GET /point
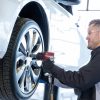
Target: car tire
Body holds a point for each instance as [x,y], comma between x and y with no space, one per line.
[20,70]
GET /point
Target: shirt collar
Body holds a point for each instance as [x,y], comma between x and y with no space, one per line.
[95,52]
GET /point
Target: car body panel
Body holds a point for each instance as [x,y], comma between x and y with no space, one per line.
[9,11]
[12,9]
[64,38]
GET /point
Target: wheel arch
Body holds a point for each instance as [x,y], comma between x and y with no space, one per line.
[35,11]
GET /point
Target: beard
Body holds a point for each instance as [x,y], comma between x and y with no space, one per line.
[90,46]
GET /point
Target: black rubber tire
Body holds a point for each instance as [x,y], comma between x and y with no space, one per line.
[9,88]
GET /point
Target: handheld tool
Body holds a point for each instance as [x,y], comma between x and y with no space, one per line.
[45,56]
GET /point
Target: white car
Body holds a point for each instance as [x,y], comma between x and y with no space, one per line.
[26,28]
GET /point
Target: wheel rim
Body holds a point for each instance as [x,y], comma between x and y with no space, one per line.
[27,68]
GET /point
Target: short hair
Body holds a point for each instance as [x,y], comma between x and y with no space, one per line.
[95,22]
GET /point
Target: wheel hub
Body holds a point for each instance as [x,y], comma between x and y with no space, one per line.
[28,61]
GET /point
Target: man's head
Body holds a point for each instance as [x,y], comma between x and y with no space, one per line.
[93,36]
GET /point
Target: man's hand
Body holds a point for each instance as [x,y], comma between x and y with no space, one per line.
[48,65]
[40,56]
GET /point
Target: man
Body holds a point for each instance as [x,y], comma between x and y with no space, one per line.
[87,79]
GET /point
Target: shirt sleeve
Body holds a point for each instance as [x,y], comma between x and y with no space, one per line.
[85,78]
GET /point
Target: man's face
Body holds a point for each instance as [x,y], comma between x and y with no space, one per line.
[93,37]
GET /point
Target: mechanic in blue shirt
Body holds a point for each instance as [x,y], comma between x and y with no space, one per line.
[87,79]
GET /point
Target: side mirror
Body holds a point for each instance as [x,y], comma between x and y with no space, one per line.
[68,2]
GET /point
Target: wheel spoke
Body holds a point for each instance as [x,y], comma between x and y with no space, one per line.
[20,56]
[20,72]
[27,82]
[34,77]
[21,79]
[22,49]
[37,48]
[29,40]
[31,32]
[37,43]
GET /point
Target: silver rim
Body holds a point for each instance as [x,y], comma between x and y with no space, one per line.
[27,68]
